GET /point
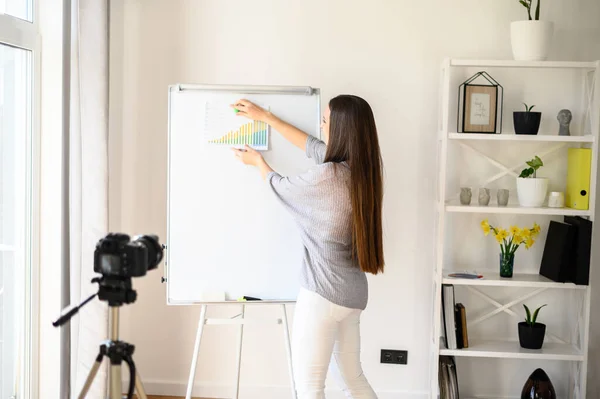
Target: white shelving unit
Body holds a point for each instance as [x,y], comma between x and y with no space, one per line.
[540,137]
[557,349]
[453,206]
[519,280]
[512,350]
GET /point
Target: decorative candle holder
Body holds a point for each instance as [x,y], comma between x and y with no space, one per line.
[484,196]
[556,199]
[502,196]
[465,196]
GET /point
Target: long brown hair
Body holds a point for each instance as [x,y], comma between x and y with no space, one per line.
[353,138]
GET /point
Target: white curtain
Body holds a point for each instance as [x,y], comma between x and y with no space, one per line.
[88,188]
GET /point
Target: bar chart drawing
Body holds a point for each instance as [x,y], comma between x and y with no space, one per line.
[224,128]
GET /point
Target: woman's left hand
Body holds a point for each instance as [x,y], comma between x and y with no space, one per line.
[249,156]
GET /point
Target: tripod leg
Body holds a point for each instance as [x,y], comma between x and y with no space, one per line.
[201,323]
[141,394]
[115,389]
[91,376]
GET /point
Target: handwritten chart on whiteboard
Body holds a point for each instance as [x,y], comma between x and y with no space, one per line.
[223,127]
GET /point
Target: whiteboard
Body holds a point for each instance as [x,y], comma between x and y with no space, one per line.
[227,236]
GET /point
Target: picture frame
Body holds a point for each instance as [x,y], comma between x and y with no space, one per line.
[480,105]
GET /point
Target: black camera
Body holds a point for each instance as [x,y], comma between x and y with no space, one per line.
[117,256]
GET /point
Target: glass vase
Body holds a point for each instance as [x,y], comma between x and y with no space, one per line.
[507,262]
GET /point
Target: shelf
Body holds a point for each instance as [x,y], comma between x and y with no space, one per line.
[519,280]
[521,137]
[512,350]
[523,64]
[514,209]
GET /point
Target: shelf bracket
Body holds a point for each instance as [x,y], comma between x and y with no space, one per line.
[507,170]
[506,308]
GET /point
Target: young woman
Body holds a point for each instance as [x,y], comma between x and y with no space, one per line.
[337,207]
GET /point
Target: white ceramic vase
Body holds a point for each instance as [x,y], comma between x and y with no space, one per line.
[532,191]
[531,39]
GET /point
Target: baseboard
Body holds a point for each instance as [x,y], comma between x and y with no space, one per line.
[212,390]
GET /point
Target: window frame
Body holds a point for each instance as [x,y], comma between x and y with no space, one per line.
[22,34]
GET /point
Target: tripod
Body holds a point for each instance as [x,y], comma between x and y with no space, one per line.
[117,259]
[117,352]
[116,291]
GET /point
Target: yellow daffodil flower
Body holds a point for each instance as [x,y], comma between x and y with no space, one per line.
[518,239]
[517,235]
[502,233]
[530,241]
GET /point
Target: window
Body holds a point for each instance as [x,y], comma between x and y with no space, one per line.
[15,133]
[17,8]
[17,83]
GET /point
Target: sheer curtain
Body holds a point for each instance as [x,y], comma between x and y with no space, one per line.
[88,185]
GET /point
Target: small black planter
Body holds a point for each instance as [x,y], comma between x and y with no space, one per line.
[527,122]
[531,337]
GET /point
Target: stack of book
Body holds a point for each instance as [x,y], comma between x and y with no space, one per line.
[455,320]
[448,378]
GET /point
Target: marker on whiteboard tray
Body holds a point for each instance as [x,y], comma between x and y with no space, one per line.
[248,298]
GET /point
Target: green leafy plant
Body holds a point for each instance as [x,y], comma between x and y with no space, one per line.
[527,4]
[530,319]
[527,108]
[534,165]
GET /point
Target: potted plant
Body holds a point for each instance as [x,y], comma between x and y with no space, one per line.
[531,39]
[531,333]
[531,189]
[509,242]
[527,122]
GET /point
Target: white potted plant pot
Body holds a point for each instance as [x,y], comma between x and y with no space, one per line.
[531,39]
[532,191]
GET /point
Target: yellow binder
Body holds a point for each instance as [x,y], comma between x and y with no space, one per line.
[578,178]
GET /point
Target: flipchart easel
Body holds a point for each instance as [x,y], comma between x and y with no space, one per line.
[199,274]
[241,321]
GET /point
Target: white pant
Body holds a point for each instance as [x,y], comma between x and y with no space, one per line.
[326,335]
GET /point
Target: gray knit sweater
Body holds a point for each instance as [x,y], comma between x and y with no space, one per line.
[319,201]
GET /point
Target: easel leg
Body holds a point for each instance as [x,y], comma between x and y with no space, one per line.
[201,323]
[288,348]
[239,358]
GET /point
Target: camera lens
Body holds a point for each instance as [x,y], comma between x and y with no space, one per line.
[155,251]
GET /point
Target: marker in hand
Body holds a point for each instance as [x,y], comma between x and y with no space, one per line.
[235,107]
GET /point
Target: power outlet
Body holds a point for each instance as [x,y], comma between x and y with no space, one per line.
[392,356]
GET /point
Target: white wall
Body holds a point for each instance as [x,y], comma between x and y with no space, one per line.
[389,52]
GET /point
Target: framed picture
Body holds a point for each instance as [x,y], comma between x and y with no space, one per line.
[480,105]
[480,109]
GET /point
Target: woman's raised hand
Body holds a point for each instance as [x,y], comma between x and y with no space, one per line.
[250,110]
[249,155]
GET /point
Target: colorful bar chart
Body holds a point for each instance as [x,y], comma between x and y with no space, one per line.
[225,128]
[254,134]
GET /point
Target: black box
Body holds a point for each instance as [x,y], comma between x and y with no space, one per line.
[558,252]
[579,263]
